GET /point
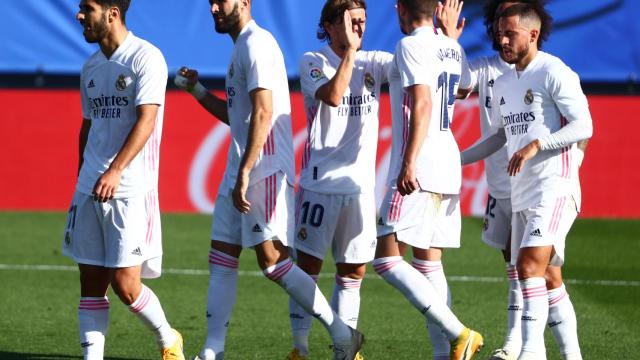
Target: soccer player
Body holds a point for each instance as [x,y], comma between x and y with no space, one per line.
[254,206]
[113,226]
[421,207]
[542,130]
[335,202]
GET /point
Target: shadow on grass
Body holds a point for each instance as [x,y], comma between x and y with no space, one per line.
[4,355]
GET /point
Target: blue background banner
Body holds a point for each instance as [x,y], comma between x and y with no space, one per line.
[599,39]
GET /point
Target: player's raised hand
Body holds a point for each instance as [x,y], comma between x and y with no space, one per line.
[107,184]
[239,193]
[352,32]
[521,156]
[407,182]
[186,78]
[448,18]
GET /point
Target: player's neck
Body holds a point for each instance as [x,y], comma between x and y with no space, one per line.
[413,25]
[525,61]
[109,44]
[242,22]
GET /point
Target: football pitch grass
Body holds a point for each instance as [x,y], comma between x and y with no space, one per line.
[39,293]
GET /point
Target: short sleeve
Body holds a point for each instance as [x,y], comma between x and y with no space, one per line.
[566,92]
[384,61]
[413,63]
[260,62]
[312,75]
[151,82]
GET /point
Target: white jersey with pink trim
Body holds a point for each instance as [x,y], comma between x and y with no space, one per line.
[110,90]
[428,57]
[257,62]
[535,103]
[484,72]
[340,152]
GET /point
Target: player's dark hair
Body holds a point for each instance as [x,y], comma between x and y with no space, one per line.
[332,11]
[122,5]
[420,9]
[490,16]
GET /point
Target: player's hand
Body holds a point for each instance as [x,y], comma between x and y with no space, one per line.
[448,18]
[240,192]
[186,79]
[521,156]
[352,33]
[106,186]
[407,182]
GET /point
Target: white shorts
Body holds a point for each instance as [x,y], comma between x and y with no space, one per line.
[347,223]
[272,201]
[421,219]
[546,224]
[496,228]
[119,233]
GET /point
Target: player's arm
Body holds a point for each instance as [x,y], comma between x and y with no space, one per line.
[418,129]
[259,127]
[187,80]
[106,186]
[82,141]
[448,18]
[484,148]
[332,92]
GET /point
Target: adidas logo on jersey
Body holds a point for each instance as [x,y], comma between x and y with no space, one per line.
[491,83]
[536,232]
[502,101]
[91,84]
[256,228]
[136,251]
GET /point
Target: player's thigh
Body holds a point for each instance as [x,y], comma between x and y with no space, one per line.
[447,222]
[316,220]
[83,236]
[226,221]
[496,228]
[405,216]
[355,233]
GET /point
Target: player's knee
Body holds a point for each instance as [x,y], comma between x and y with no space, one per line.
[351,271]
[528,268]
[553,277]
[126,288]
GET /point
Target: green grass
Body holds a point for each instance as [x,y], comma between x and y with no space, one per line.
[38,308]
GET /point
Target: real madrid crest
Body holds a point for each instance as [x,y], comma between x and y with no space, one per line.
[528,97]
[302,234]
[369,81]
[231,71]
[121,83]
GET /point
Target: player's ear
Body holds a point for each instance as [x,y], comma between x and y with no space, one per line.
[534,34]
[113,14]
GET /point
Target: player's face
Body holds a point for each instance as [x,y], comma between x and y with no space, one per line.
[501,8]
[226,15]
[93,19]
[513,39]
[358,24]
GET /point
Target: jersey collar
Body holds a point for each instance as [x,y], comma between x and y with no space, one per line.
[426,29]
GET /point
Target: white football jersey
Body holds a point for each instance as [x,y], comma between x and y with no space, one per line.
[110,90]
[484,72]
[339,156]
[537,102]
[257,62]
[428,57]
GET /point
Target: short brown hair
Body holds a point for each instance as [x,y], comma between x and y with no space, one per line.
[420,9]
[333,10]
[122,5]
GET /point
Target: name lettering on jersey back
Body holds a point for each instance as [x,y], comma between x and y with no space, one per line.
[108,107]
[518,124]
[356,105]
[449,53]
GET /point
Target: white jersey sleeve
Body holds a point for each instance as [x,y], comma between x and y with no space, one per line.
[466,80]
[152,78]
[312,75]
[411,61]
[259,62]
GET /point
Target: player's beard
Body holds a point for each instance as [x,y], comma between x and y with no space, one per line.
[515,55]
[98,31]
[228,21]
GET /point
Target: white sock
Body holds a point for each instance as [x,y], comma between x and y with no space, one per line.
[93,323]
[148,309]
[563,324]
[304,291]
[420,293]
[513,340]
[434,272]
[345,300]
[221,296]
[534,317]
[300,324]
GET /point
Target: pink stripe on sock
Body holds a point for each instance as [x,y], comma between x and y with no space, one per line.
[142,301]
[425,269]
[217,259]
[536,291]
[558,298]
[279,272]
[348,283]
[384,267]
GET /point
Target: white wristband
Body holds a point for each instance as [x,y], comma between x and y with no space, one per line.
[198,90]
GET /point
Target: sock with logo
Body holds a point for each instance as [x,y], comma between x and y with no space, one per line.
[434,272]
[513,340]
[563,324]
[534,316]
[346,299]
[93,323]
[420,293]
[147,308]
[300,324]
[221,296]
[305,292]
